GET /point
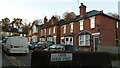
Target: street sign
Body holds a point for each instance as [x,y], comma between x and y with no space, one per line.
[61,57]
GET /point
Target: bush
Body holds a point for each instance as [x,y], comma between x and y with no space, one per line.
[115,57]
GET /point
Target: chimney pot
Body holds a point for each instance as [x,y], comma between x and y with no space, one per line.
[81,4]
[45,20]
[101,11]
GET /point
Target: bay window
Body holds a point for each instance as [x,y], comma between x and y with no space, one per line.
[84,40]
[49,38]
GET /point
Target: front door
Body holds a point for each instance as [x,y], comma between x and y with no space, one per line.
[96,42]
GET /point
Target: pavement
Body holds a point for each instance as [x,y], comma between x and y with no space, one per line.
[115,64]
[0,55]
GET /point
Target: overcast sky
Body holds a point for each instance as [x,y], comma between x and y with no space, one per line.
[38,9]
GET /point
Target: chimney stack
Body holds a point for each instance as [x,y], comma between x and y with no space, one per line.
[101,11]
[82,10]
[45,20]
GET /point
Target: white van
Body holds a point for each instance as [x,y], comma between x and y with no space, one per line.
[16,44]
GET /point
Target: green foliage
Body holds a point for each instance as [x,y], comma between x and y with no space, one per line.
[115,57]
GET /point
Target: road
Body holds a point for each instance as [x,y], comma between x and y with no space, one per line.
[16,60]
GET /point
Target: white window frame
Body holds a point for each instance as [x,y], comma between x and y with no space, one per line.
[34,38]
[42,39]
[49,30]
[81,24]
[62,38]
[49,39]
[68,41]
[117,24]
[44,31]
[54,29]
[71,27]
[41,32]
[34,29]
[92,22]
[54,39]
[64,29]
[85,40]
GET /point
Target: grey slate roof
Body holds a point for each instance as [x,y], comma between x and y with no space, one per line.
[77,18]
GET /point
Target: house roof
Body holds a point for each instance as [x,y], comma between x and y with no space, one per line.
[77,18]
[61,22]
[84,32]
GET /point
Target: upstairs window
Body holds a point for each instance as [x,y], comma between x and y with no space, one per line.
[44,31]
[64,29]
[71,27]
[81,24]
[41,32]
[92,22]
[116,24]
[49,30]
[53,29]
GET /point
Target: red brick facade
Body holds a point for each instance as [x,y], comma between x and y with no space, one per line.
[104,32]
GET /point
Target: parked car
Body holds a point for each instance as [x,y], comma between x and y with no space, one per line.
[16,44]
[43,44]
[63,47]
[30,46]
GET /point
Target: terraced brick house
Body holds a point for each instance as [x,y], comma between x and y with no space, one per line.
[89,30]
[50,30]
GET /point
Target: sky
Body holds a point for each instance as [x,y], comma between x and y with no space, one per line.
[31,10]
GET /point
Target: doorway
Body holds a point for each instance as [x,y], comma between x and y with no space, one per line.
[96,42]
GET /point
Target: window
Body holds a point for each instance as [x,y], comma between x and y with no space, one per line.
[49,30]
[34,29]
[42,39]
[117,24]
[66,39]
[62,40]
[53,29]
[41,32]
[49,38]
[69,40]
[71,27]
[84,40]
[20,30]
[92,22]
[44,31]
[64,29]
[54,39]
[81,24]
[34,38]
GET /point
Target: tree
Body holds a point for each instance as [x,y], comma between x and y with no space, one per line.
[68,16]
[5,21]
[17,23]
[114,15]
